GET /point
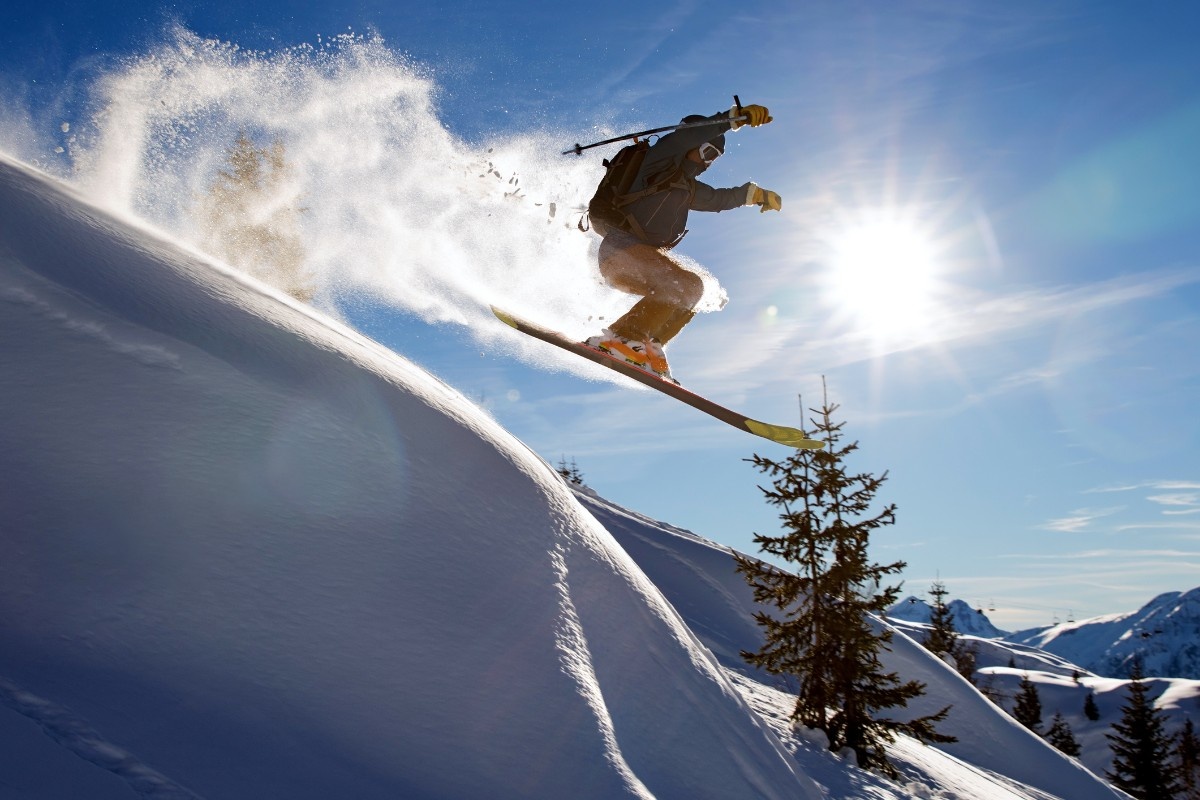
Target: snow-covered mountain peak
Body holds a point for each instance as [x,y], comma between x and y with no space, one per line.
[1164,635]
[966,619]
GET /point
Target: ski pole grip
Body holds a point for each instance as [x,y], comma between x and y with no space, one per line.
[737,103]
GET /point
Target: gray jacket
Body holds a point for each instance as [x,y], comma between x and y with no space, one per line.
[663,215]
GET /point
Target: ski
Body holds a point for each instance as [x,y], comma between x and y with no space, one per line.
[791,437]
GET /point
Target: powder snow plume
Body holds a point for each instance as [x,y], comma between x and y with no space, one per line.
[394,205]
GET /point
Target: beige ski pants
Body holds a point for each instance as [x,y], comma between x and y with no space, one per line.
[669,291]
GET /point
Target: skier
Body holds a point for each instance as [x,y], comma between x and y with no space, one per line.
[641,226]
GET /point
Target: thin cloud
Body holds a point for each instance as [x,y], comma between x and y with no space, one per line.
[803,337]
[1173,498]
[1162,485]
[1158,526]
[1108,553]
[1189,500]
[1080,520]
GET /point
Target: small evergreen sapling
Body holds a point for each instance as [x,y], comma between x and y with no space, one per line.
[1028,709]
[1061,736]
[1090,709]
[942,639]
[570,472]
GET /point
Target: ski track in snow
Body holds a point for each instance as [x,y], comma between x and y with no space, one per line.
[148,355]
[577,661]
[76,735]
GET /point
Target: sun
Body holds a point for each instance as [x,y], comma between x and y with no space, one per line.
[883,274]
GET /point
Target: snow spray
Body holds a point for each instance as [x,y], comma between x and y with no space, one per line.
[393,206]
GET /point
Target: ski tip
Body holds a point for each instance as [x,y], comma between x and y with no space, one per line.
[505,317]
[784,435]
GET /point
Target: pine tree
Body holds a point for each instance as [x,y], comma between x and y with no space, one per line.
[1060,736]
[1187,750]
[826,636]
[942,639]
[570,472]
[965,659]
[1090,709]
[795,645]
[1142,749]
[1028,710]
[249,219]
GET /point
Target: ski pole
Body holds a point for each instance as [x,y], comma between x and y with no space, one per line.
[579,148]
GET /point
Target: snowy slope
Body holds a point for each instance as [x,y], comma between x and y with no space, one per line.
[1177,698]
[248,553]
[1164,634]
[699,579]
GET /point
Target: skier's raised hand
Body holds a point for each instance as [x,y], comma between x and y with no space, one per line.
[767,200]
[756,115]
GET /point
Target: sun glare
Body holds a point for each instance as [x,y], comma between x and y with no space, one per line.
[882,275]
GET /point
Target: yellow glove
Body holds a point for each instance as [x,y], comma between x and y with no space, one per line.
[767,200]
[755,116]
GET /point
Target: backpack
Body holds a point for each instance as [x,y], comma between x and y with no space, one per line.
[607,207]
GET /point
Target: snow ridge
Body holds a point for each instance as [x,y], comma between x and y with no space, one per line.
[84,741]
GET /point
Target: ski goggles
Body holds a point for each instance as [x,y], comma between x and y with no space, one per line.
[709,152]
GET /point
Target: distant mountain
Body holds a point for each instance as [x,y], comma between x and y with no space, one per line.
[1164,634]
[967,620]
[1066,664]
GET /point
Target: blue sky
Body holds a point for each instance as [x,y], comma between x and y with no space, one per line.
[988,244]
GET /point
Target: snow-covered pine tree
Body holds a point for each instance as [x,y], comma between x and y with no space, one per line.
[1061,736]
[1028,708]
[942,639]
[828,635]
[1142,750]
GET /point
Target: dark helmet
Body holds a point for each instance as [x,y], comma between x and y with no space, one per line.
[718,141]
